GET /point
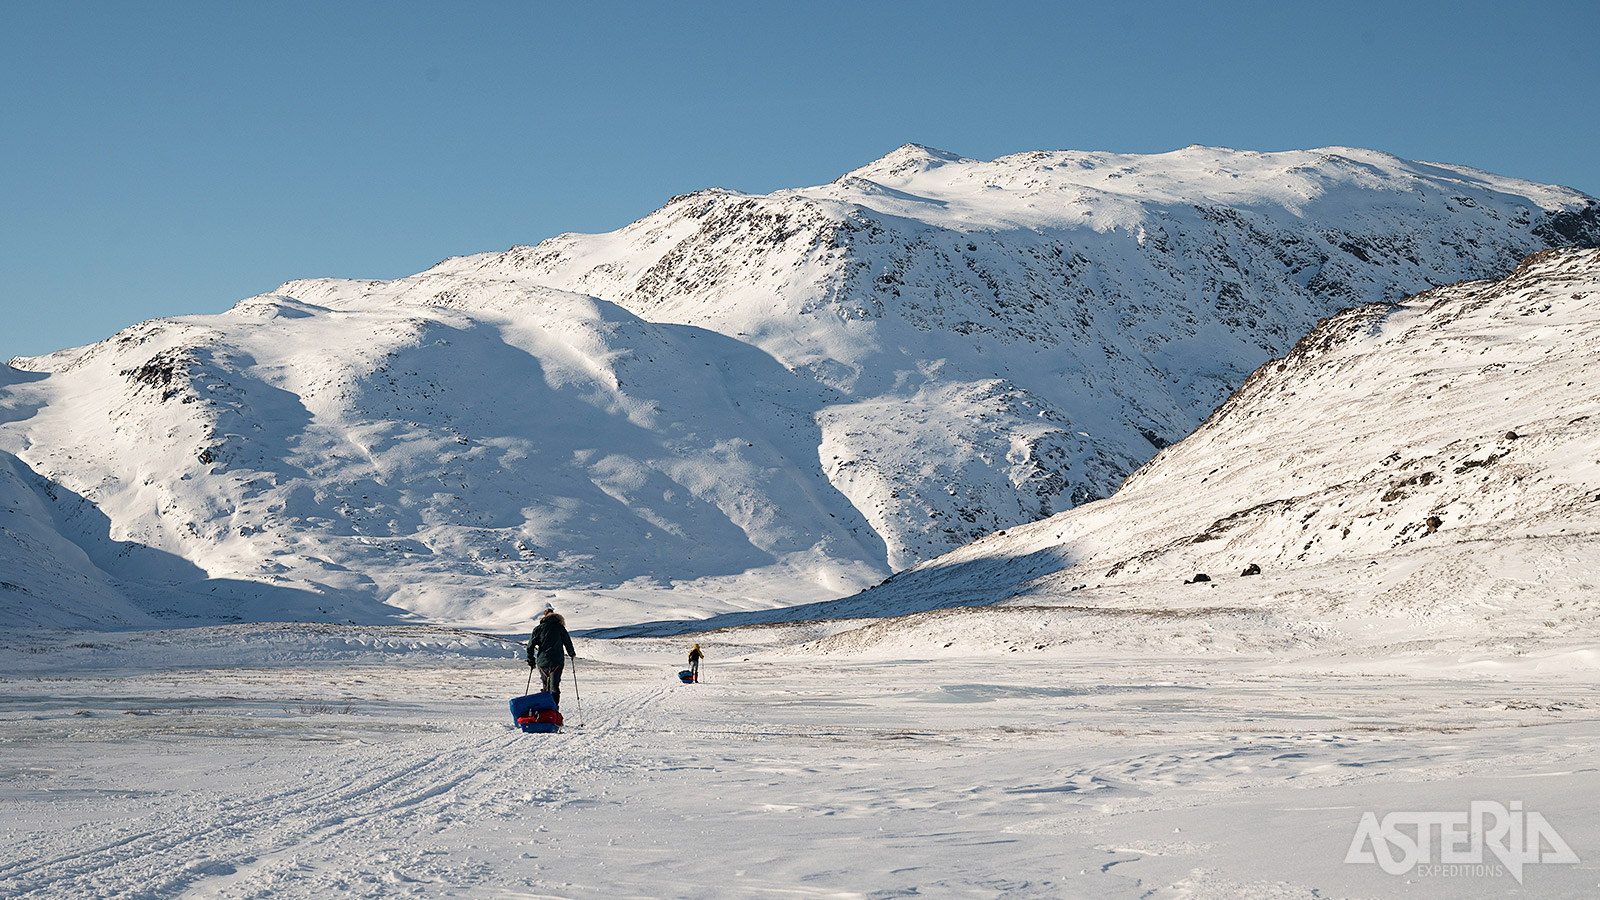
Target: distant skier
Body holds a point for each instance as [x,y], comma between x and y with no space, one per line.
[545,644]
[694,663]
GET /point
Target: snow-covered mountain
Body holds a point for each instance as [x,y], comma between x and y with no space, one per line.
[738,401]
[1008,339]
[1436,460]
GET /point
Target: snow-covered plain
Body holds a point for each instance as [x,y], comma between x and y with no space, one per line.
[315,761]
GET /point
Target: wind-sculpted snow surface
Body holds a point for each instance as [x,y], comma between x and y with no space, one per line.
[307,762]
[737,402]
[1439,457]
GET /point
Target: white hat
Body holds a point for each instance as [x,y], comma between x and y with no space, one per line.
[548,609]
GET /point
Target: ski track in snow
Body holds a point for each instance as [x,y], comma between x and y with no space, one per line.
[782,776]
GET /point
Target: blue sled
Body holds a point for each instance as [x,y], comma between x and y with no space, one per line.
[536,713]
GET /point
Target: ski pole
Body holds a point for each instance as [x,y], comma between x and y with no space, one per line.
[529,687]
[577,700]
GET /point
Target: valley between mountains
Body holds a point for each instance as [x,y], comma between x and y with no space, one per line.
[1066,525]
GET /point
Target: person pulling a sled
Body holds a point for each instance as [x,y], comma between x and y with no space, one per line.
[694,663]
[545,644]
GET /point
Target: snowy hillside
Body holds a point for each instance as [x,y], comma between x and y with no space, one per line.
[47,580]
[427,457]
[737,402]
[1437,461]
[1011,338]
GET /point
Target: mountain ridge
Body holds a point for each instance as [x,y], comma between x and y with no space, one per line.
[738,401]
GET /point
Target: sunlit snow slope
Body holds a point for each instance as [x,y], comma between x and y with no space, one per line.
[1440,457]
[736,402]
[1009,339]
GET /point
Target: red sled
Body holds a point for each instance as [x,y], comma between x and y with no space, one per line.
[551,718]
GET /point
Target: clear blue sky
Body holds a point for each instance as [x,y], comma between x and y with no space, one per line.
[171,158]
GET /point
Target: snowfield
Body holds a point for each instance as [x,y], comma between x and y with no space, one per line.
[316,761]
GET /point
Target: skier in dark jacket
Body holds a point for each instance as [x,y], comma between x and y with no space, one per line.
[694,663]
[545,644]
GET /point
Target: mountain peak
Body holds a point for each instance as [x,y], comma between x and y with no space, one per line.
[907,159]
